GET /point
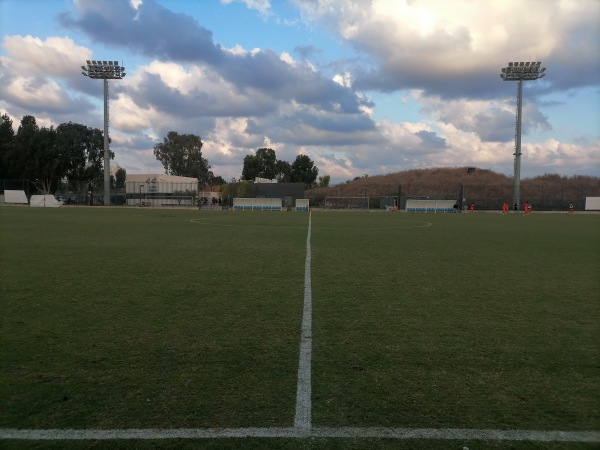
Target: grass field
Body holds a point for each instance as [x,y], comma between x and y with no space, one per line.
[149,318]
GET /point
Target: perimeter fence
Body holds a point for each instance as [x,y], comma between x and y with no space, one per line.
[543,196]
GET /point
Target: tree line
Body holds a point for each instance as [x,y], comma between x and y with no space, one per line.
[49,157]
[264,164]
[73,154]
[181,155]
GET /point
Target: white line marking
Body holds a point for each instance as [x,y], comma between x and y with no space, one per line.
[302,419]
[316,432]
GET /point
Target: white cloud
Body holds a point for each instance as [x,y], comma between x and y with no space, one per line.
[554,155]
[29,92]
[438,45]
[262,6]
[174,75]
[35,73]
[54,56]
[287,58]
[343,79]
[129,117]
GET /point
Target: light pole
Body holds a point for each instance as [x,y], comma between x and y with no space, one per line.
[520,71]
[105,70]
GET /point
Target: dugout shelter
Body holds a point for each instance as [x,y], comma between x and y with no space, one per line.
[287,192]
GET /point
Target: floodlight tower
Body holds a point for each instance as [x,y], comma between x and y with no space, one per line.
[105,70]
[520,71]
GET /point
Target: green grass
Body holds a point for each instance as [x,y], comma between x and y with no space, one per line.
[479,321]
[135,318]
[293,444]
[128,318]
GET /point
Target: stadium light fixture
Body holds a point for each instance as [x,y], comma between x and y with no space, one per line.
[520,71]
[104,70]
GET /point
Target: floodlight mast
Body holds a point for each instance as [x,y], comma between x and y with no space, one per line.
[520,71]
[105,70]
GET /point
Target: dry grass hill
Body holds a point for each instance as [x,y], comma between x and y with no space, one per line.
[486,188]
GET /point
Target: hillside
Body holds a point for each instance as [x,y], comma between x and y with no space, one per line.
[486,188]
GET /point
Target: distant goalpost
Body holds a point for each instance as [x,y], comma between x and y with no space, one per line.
[346,203]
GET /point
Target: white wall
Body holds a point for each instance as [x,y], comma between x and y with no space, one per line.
[592,203]
[15,197]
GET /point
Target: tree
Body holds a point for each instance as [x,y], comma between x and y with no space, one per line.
[262,165]
[251,168]
[284,172]
[46,156]
[181,155]
[268,162]
[304,170]
[37,157]
[83,148]
[24,149]
[47,165]
[120,177]
[324,181]
[217,180]
[7,148]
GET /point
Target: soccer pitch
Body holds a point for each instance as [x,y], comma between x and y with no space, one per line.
[255,329]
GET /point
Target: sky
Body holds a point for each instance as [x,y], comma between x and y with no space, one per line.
[363,87]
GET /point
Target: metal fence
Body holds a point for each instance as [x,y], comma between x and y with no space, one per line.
[543,196]
[547,197]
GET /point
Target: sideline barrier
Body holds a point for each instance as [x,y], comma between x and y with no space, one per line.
[430,205]
[44,201]
[16,197]
[302,204]
[592,203]
[257,204]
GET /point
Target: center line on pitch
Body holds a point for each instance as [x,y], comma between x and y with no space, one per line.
[302,419]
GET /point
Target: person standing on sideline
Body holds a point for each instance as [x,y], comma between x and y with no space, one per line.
[516,208]
[505,208]
[526,208]
[571,208]
[472,207]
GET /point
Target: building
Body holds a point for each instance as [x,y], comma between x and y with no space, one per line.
[160,190]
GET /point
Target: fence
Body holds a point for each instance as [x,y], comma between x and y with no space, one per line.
[17,185]
[550,195]
[547,196]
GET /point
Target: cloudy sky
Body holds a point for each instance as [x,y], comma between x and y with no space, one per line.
[361,86]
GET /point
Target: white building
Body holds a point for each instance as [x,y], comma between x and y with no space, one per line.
[160,190]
